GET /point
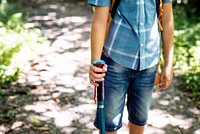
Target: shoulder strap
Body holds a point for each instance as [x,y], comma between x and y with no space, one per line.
[160,12]
[157,6]
[114,7]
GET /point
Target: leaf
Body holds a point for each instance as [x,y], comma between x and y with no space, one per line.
[181,106]
[58,101]
[16,124]
[42,128]
[188,100]
[34,120]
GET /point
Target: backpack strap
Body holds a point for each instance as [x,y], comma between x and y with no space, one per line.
[157,6]
[111,14]
[115,4]
[160,13]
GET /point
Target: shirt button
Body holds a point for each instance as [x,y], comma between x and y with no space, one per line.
[141,23]
[142,45]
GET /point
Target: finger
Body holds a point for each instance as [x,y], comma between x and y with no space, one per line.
[96,75]
[96,79]
[93,83]
[105,67]
[163,81]
[96,69]
[168,82]
[162,84]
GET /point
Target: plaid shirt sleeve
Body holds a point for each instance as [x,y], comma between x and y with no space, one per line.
[167,1]
[105,3]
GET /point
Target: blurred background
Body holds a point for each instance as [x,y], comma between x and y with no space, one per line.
[44,63]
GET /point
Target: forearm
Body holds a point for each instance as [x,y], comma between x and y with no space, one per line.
[98,31]
[168,42]
[97,40]
[168,34]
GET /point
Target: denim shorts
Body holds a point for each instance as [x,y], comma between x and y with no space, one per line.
[121,82]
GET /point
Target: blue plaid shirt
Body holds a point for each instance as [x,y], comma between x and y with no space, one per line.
[134,38]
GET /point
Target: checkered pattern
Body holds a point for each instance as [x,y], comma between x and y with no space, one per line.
[134,38]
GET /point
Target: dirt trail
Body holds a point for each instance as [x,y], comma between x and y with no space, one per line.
[55,96]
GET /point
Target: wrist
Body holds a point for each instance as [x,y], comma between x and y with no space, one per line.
[94,59]
[168,67]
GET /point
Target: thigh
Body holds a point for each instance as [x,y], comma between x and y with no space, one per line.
[139,95]
[115,87]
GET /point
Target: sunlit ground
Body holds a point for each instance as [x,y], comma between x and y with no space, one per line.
[62,95]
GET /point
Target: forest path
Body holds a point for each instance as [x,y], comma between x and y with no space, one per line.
[55,96]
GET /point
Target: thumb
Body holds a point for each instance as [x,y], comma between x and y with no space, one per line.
[162,81]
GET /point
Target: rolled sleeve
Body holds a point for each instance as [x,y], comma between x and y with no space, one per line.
[167,1]
[105,3]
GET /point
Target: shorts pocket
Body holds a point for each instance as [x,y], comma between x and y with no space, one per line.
[105,54]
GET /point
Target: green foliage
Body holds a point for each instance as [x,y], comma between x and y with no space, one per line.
[12,15]
[14,35]
[191,80]
[187,48]
[190,7]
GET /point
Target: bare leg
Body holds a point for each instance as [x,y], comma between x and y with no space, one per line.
[135,129]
